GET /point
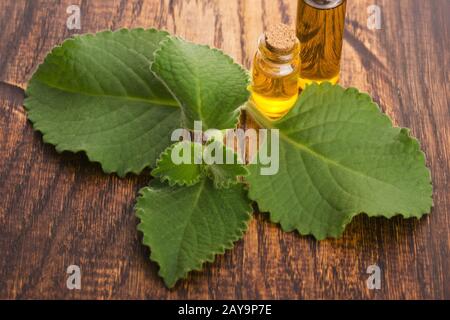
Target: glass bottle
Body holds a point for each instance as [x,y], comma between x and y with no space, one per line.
[275,71]
[320,28]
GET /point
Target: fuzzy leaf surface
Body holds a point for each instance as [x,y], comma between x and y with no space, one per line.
[187,226]
[208,84]
[339,156]
[95,93]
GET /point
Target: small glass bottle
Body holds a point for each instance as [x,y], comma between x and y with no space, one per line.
[275,71]
[320,28]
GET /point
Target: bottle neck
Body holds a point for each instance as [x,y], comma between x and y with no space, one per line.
[276,56]
[324,4]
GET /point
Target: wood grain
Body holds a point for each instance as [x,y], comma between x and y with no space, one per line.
[59,209]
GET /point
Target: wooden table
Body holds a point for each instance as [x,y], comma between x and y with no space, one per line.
[57,210]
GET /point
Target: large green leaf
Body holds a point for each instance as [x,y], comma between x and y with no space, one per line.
[208,85]
[95,93]
[339,156]
[187,226]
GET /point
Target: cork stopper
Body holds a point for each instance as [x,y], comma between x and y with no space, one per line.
[280,38]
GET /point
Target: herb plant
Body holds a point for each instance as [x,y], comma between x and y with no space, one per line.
[118,96]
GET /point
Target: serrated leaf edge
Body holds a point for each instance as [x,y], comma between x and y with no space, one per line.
[199,264]
[168,179]
[227,183]
[349,217]
[232,62]
[36,124]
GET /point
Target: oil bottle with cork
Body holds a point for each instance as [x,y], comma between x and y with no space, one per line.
[275,71]
[289,59]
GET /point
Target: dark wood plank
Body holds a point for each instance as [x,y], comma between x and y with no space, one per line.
[59,209]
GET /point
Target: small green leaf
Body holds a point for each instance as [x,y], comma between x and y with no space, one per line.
[187,226]
[226,172]
[186,173]
[195,160]
[94,93]
[207,83]
[340,156]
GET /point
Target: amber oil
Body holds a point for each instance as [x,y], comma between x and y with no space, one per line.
[275,71]
[320,28]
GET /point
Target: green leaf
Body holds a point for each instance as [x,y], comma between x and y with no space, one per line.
[187,226]
[224,173]
[340,156]
[195,161]
[188,173]
[94,93]
[207,83]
